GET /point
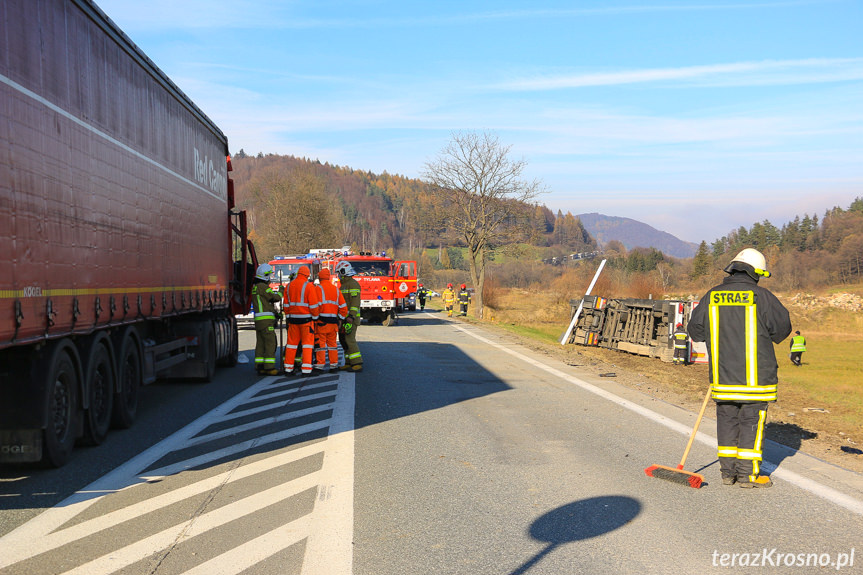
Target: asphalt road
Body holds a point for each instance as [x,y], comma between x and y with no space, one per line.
[455,451]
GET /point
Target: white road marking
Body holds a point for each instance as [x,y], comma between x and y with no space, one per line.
[333,483]
[329,550]
[828,493]
[257,424]
[120,558]
[253,552]
[17,549]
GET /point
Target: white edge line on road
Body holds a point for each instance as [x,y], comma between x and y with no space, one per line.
[329,550]
[828,493]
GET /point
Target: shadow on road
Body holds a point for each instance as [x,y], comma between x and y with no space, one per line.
[578,521]
[786,440]
[409,377]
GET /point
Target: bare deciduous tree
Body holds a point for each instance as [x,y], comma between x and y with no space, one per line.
[294,214]
[484,201]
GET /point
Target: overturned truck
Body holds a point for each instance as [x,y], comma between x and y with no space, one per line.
[637,326]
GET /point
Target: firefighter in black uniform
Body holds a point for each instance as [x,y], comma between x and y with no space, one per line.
[681,345]
[463,299]
[422,294]
[740,321]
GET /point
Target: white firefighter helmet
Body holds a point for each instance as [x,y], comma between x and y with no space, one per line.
[345,268]
[751,261]
[265,272]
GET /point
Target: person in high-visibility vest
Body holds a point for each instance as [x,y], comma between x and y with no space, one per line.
[740,321]
[448,299]
[798,346]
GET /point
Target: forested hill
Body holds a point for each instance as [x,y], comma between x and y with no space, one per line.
[632,234]
[805,252]
[372,211]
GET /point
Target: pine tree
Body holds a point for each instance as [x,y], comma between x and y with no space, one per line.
[702,261]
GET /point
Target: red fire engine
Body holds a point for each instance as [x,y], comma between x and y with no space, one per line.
[387,286]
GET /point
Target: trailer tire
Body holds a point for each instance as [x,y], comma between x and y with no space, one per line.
[99,385]
[61,381]
[233,356]
[208,347]
[129,378]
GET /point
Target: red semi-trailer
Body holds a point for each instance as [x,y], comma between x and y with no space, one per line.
[122,258]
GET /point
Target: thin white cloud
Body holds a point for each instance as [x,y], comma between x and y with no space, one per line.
[767,72]
[278,14]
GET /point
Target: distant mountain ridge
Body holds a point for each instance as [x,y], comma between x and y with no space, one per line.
[632,234]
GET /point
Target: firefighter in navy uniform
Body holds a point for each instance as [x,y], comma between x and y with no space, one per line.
[681,345]
[266,316]
[463,299]
[740,321]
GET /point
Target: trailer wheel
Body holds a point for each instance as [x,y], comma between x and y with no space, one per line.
[207,347]
[62,409]
[233,356]
[99,385]
[129,376]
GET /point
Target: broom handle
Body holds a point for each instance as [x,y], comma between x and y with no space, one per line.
[695,429]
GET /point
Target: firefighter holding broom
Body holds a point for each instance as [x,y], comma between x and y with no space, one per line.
[740,321]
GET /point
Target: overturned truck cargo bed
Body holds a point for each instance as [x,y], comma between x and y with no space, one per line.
[637,326]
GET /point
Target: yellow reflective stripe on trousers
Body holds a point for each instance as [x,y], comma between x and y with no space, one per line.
[727,451]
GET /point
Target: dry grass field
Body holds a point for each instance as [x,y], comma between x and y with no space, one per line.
[820,406]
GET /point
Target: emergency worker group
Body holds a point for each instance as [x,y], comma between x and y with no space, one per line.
[318,313]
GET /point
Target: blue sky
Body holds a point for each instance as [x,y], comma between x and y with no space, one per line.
[693,117]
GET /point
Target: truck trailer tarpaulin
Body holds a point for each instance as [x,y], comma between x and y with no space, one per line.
[120,247]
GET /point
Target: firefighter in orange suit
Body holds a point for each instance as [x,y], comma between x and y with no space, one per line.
[448,298]
[331,314]
[302,304]
[741,321]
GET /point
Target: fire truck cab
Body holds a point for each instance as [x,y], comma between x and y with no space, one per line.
[387,286]
[285,267]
